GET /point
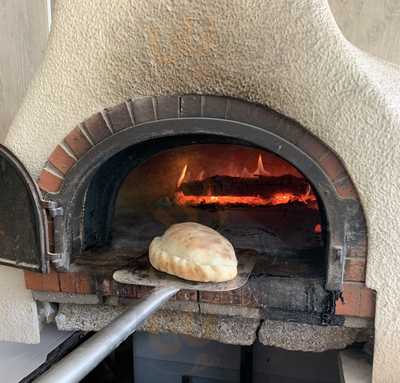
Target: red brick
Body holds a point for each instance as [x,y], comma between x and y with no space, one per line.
[123,290]
[235,297]
[209,297]
[77,142]
[119,117]
[359,250]
[352,299]
[186,295]
[248,297]
[61,160]
[345,188]
[42,282]
[143,291]
[355,270]
[49,182]
[359,301]
[333,166]
[75,283]
[367,304]
[105,286]
[97,128]
[313,146]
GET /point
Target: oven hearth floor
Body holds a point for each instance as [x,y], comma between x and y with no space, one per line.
[283,288]
[288,278]
[307,263]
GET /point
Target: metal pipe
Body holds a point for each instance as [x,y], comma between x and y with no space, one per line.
[87,356]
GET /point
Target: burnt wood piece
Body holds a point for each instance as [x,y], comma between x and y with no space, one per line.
[265,186]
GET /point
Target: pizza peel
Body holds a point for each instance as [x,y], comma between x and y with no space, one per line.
[78,363]
[146,275]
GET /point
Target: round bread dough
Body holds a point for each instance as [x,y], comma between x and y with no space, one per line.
[194,252]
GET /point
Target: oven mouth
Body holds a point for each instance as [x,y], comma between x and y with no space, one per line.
[314,192]
[257,200]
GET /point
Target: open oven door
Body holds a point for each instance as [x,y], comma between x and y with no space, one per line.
[23,223]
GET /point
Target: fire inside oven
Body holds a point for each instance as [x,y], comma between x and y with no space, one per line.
[257,200]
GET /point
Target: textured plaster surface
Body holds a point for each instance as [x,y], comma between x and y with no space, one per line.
[289,55]
[223,328]
[304,337]
[226,329]
[18,312]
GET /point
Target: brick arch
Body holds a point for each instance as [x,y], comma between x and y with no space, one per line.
[102,126]
[131,113]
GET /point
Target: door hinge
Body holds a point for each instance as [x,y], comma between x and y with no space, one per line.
[53,208]
[56,213]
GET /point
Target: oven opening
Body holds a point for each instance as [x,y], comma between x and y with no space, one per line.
[257,200]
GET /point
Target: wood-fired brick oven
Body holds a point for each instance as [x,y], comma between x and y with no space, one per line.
[124,175]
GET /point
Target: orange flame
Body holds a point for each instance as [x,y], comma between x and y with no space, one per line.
[279,198]
[181,177]
[260,171]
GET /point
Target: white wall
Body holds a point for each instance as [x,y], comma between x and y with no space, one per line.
[371,25]
[18,313]
[23,39]
[18,41]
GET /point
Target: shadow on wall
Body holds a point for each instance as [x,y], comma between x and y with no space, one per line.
[371,25]
[23,40]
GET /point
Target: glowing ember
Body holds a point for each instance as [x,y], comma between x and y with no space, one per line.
[277,199]
[317,228]
[208,197]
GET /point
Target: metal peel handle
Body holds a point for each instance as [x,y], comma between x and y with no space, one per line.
[87,356]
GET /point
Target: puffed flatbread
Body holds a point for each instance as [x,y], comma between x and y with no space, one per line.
[194,252]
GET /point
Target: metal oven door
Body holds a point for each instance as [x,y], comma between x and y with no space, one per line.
[23,222]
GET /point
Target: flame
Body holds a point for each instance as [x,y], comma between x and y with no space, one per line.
[260,171]
[181,177]
[246,174]
[200,177]
[279,198]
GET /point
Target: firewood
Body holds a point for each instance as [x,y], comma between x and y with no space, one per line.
[265,186]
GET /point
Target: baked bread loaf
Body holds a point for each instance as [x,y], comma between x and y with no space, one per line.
[194,252]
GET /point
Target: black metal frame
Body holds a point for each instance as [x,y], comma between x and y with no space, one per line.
[159,123]
[37,220]
[77,181]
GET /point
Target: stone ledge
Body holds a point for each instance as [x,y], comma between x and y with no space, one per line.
[228,310]
[231,330]
[304,337]
[357,322]
[171,305]
[223,328]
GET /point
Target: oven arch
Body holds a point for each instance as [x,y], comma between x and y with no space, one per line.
[100,138]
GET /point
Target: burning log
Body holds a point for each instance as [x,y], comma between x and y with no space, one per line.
[256,191]
[265,186]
